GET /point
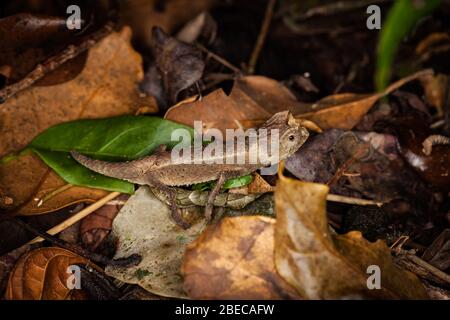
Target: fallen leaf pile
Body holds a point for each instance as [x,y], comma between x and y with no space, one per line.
[359,212]
[307,253]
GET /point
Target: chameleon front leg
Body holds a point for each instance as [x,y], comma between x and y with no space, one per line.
[212,195]
[172,193]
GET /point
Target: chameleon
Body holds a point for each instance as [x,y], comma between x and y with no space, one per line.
[160,171]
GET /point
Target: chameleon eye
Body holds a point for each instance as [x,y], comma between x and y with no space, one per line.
[291,137]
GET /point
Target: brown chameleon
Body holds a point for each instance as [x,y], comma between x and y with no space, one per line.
[160,171]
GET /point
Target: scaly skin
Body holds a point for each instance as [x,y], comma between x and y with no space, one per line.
[159,170]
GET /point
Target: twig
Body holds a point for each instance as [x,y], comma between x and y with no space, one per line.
[261,37]
[340,172]
[351,200]
[335,8]
[219,59]
[54,62]
[420,267]
[78,216]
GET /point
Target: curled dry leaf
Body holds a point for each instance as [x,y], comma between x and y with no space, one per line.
[41,274]
[234,260]
[323,265]
[180,64]
[344,111]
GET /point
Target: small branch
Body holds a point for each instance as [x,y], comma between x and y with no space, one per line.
[351,200]
[78,216]
[420,267]
[340,172]
[261,37]
[335,8]
[219,59]
[54,62]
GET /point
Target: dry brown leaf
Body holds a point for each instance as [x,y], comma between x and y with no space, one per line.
[41,274]
[323,265]
[259,185]
[435,87]
[254,99]
[234,260]
[36,189]
[106,87]
[216,110]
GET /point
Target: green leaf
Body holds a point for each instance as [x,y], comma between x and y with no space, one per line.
[118,139]
[229,184]
[76,174]
[402,17]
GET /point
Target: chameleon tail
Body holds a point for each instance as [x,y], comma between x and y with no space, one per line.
[131,170]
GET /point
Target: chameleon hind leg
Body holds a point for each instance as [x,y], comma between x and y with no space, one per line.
[172,193]
[212,196]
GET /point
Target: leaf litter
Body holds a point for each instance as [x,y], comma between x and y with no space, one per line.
[266,242]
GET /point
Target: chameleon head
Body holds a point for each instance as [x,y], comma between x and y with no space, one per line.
[291,133]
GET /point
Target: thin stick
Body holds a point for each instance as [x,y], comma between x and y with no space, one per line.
[415,263]
[351,200]
[340,171]
[335,8]
[261,37]
[78,216]
[54,62]
[219,59]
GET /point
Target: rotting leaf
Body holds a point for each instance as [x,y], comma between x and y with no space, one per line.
[234,260]
[106,87]
[323,265]
[144,226]
[180,64]
[41,274]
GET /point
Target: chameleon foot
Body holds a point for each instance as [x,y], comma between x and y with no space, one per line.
[176,216]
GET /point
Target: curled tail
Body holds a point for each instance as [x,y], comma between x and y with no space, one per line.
[131,171]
